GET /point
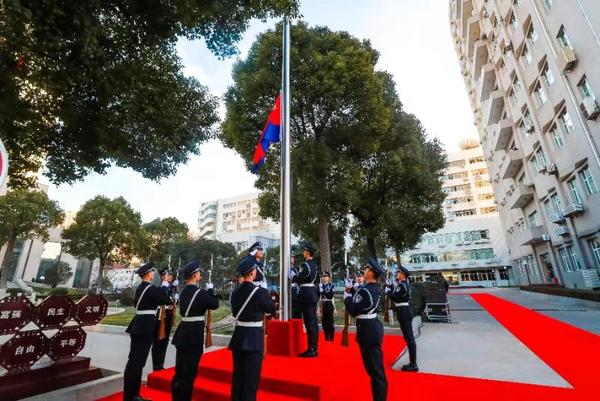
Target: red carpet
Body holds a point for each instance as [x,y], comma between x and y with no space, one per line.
[338,374]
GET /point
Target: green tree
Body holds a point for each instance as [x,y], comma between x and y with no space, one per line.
[336,94]
[162,235]
[223,256]
[25,214]
[87,84]
[109,230]
[57,274]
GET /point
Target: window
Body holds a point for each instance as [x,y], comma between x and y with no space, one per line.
[566,261]
[548,4]
[516,83]
[474,160]
[556,137]
[585,89]
[563,38]
[594,245]
[527,121]
[574,257]
[566,122]
[534,219]
[588,181]
[539,162]
[556,203]
[502,65]
[540,94]
[548,75]
[575,197]
[526,55]
[489,210]
[513,97]
[532,34]
[513,21]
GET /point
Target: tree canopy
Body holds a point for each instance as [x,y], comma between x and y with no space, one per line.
[88,84]
[107,229]
[162,235]
[25,214]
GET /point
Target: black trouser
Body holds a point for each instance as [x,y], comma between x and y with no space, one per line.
[132,377]
[405,318]
[159,347]
[372,357]
[246,375]
[296,309]
[327,320]
[309,314]
[186,367]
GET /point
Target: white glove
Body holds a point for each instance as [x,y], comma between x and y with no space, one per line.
[291,275]
[176,283]
[388,282]
[263,284]
[356,285]
[320,287]
[209,286]
[165,283]
[388,290]
[347,295]
[176,297]
[348,283]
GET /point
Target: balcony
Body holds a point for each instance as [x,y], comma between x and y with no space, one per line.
[502,132]
[562,231]
[573,209]
[512,163]
[531,236]
[486,82]
[480,57]
[521,197]
[473,34]
[493,107]
[567,59]
[557,218]
[589,108]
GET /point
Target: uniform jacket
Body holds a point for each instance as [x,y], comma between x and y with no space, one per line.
[327,292]
[146,325]
[260,277]
[308,274]
[250,338]
[191,334]
[364,301]
[401,292]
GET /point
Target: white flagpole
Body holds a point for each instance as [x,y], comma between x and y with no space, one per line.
[285,200]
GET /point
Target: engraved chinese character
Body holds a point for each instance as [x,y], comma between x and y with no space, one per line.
[72,342]
[88,309]
[63,343]
[16,314]
[96,309]
[51,312]
[5,314]
[30,349]
[60,312]
[19,350]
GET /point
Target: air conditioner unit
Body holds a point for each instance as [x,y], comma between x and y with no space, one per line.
[569,59]
[551,169]
[589,108]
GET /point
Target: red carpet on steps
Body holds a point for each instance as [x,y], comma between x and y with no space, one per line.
[338,374]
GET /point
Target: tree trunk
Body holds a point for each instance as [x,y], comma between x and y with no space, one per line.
[5,262]
[371,248]
[324,243]
[100,275]
[397,256]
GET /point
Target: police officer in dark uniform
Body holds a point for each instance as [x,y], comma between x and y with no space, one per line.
[369,330]
[257,251]
[400,295]
[307,277]
[189,336]
[142,329]
[159,347]
[249,303]
[295,289]
[327,306]
[359,281]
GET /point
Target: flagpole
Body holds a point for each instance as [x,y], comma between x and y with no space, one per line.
[285,200]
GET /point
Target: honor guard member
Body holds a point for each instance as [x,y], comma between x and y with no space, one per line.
[189,336]
[307,277]
[257,251]
[249,303]
[142,329]
[295,289]
[159,347]
[400,295]
[359,281]
[327,305]
[369,330]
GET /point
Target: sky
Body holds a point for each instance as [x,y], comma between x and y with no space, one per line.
[415,45]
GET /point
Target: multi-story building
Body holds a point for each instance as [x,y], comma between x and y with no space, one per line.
[470,250]
[236,220]
[531,71]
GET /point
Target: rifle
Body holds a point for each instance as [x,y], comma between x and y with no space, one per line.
[208,341]
[345,341]
[386,302]
[161,327]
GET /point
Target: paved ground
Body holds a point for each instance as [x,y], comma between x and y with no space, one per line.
[476,345]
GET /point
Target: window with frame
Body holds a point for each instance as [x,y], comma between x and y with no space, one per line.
[526,55]
[540,94]
[574,257]
[575,196]
[548,75]
[513,96]
[534,219]
[565,259]
[532,35]
[548,4]
[594,245]
[585,89]
[514,23]
[556,137]
[566,122]
[528,121]
[556,203]
[516,83]
[563,38]
[588,181]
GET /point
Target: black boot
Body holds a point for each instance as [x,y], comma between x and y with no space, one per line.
[309,353]
[139,398]
[410,368]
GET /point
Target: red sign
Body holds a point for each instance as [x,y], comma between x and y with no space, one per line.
[90,310]
[3,162]
[54,311]
[23,350]
[67,343]
[15,313]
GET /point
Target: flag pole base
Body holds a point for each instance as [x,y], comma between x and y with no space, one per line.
[285,338]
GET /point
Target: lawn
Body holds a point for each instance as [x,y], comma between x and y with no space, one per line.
[123,319]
